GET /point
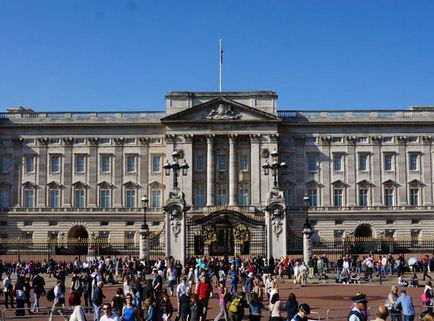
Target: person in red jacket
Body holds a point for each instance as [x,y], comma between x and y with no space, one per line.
[204,290]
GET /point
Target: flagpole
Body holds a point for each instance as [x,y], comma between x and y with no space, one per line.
[220,63]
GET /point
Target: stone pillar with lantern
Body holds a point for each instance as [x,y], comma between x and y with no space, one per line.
[175,209]
[307,232]
[144,233]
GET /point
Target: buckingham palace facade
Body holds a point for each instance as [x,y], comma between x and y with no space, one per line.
[75,174]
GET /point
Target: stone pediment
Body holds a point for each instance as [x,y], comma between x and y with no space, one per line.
[220,110]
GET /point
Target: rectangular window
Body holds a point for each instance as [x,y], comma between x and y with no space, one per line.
[4,199]
[105,163]
[200,162]
[130,198]
[387,140]
[363,197]
[130,141]
[337,197]
[388,158]
[28,198]
[54,198]
[244,162]
[287,194]
[105,198]
[104,141]
[312,163]
[80,163]
[156,163]
[222,197]
[313,197]
[29,164]
[79,198]
[362,140]
[244,197]
[79,141]
[388,196]
[414,197]
[130,164]
[156,198]
[412,162]
[55,164]
[336,140]
[199,196]
[363,162]
[5,164]
[221,163]
[338,162]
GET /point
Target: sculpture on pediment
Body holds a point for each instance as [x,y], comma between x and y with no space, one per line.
[223,112]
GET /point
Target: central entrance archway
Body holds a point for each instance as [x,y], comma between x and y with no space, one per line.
[225,224]
[78,240]
[363,230]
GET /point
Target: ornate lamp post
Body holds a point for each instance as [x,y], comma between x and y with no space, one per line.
[144,232]
[275,167]
[307,231]
[275,216]
[176,167]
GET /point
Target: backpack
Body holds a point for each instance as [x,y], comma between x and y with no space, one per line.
[424,298]
[76,285]
[50,295]
[235,305]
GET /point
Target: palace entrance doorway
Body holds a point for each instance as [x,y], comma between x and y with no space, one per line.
[225,233]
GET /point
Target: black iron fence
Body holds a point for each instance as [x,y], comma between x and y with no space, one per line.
[20,249]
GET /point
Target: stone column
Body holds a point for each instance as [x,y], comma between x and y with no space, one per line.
[425,165]
[144,166]
[401,170]
[93,172]
[118,173]
[17,169]
[255,170]
[232,171]
[42,171]
[67,171]
[210,175]
[325,171]
[377,190]
[351,168]
[187,181]
[307,242]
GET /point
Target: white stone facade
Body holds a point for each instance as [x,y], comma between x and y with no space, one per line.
[367,168]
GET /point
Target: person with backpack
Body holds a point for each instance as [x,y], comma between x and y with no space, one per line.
[97,299]
[275,307]
[196,309]
[76,285]
[406,303]
[236,308]
[7,291]
[86,282]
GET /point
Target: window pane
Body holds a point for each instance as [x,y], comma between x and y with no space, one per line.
[130,199]
[28,198]
[221,197]
[80,163]
[29,164]
[156,163]
[79,198]
[313,197]
[387,162]
[131,164]
[199,196]
[363,162]
[412,164]
[363,197]
[156,198]
[221,163]
[388,197]
[105,199]
[337,162]
[105,163]
[244,166]
[312,163]
[54,198]
[337,197]
[244,197]
[414,196]
[55,164]
[200,162]
[5,164]
[4,199]
[288,197]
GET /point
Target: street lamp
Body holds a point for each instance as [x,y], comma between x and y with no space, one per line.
[176,167]
[306,201]
[275,167]
[144,232]
[307,231]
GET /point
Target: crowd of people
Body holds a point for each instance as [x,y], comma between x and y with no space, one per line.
[167,290]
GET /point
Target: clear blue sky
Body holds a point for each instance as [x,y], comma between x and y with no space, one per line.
[112,55]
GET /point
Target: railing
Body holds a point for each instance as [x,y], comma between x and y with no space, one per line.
[391,209]
[149,115]
[293,115]
[82,209]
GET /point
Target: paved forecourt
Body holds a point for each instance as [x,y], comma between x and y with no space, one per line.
[326,299]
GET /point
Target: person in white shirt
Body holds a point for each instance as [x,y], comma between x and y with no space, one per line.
[108,314]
